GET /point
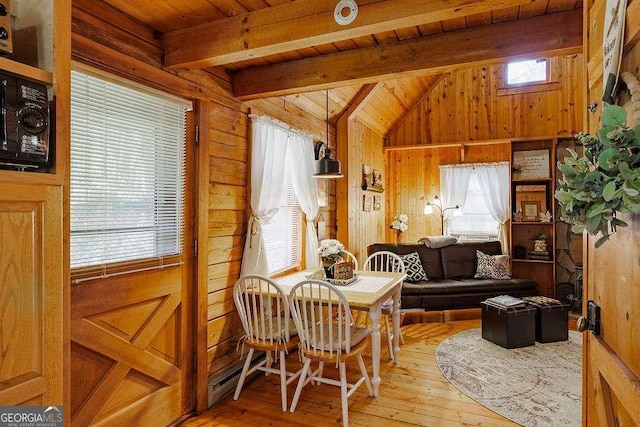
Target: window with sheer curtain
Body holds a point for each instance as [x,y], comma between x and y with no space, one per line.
[475,222]
[283,234]
[127,172]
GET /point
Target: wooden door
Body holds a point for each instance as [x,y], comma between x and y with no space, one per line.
[31,295]
[132,354]
[611,360]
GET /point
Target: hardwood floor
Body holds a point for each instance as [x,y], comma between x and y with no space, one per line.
[412,393]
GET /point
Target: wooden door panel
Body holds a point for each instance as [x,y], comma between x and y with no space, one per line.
[31,329]
[611,385]
[127,348]
[615,388]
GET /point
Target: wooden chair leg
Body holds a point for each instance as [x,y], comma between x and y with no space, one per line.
[283,381]
[343,394]
[243,374]
[320,371]
[365,374]
[269,360]
[303,377]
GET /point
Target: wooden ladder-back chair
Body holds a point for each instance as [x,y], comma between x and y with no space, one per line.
[391,263]
[327,334]
[266,319]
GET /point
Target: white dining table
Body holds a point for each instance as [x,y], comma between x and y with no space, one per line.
[368,292]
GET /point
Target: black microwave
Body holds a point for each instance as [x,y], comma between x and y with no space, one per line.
[24,123]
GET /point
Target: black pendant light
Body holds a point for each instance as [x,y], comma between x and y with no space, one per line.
[326,166]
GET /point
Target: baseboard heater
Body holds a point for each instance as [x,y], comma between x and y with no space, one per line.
[224,383]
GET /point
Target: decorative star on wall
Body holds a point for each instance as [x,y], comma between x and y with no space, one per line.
[545,217]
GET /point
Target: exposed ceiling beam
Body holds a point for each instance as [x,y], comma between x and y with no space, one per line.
[552,34]
[304,23]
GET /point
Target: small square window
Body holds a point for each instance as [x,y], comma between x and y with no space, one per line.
[530,71]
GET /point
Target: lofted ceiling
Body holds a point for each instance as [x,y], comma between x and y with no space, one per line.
[389,56]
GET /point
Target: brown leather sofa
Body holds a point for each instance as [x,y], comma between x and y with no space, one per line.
[450,270]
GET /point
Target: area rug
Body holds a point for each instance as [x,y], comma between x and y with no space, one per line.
[534,386]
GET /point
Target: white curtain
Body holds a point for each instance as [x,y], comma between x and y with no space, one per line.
[270,141]
[493,179]
[454,184]
[268,151]
[305,187]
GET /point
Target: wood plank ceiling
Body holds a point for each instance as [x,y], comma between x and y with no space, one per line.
[295,49]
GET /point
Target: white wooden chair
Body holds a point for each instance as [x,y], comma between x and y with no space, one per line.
[350,257]
[327,334]
[392,263]
[264,312]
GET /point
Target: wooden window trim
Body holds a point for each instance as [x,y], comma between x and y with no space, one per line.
[530,88]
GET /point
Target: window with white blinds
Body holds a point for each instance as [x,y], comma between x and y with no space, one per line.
[283,234]
[127,172]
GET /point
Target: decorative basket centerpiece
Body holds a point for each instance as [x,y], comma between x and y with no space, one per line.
[331,252]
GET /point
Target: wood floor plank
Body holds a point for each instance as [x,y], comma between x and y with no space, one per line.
[413,393]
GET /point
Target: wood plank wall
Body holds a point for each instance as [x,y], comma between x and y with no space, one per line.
[359,145]
[110,40]
[472,105]
[414,178]
[468,106]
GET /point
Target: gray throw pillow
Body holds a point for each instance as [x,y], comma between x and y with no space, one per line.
[413,268]
[435,242]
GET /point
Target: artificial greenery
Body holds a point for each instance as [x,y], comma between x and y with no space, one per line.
[605,180]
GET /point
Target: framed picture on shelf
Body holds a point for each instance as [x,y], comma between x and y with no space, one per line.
[531,164]
[372,179]
[367,177]
[530,192]
[378,184]
[531,210]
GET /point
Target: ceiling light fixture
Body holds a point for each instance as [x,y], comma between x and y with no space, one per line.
[327,166]
[343,7]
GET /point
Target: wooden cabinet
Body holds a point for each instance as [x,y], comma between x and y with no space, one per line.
[31,295]
[533,211]
[34,295]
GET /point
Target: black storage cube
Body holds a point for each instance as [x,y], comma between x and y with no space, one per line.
[552,321]
[508,327]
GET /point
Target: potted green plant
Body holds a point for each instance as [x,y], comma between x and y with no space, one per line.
[605,180]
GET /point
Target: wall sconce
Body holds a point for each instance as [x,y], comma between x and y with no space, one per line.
[428,210]
[326,166]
